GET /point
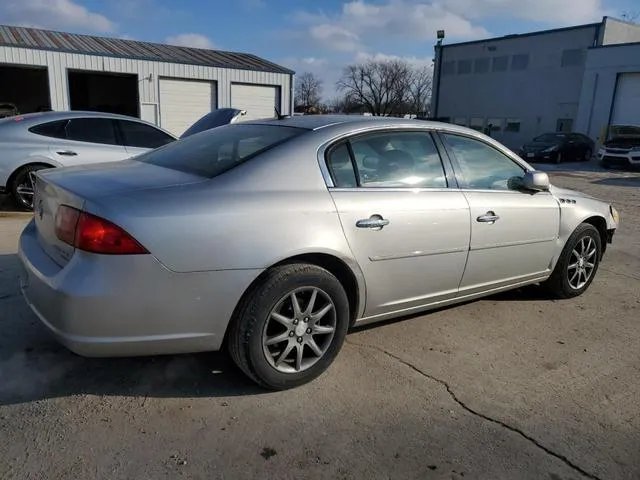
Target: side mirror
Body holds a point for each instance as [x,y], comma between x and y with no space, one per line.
[536,181]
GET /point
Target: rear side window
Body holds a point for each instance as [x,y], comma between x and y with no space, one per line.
[92,130]
[51,129]
[136,134]
[216,151]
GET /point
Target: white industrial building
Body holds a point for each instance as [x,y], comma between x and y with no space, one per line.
[167,85]
[577,79]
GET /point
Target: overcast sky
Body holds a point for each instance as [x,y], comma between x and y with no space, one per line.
[310,35]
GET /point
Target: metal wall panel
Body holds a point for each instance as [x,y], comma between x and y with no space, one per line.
[148,72]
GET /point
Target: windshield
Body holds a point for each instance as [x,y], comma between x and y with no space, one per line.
[550,137]
[216,151]
[624,131]
[211,120]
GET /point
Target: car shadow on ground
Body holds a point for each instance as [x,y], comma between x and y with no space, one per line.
[619,181]
[34,366]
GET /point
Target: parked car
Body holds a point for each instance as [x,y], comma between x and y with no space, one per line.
[621,147]
[216,118]
[8,110]
[37,141]
[558,148]
[271,238]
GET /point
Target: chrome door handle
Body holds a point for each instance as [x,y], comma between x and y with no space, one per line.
[489,217]
[68,153]
[375,221]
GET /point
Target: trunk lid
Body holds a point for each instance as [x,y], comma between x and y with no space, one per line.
[47,198]
[74,186]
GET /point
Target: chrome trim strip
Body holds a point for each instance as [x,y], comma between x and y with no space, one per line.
[419,253]
[514,244]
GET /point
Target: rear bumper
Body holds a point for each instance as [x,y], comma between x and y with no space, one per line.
[100,305]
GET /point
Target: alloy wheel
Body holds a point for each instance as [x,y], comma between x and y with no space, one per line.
[299,330]
[582,263]
[25,191]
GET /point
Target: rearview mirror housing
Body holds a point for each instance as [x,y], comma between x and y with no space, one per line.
[536,181]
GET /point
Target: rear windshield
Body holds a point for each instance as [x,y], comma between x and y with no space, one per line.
[216,151]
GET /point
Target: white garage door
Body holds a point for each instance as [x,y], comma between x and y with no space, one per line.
[626,107]
[182,102]
[259,101]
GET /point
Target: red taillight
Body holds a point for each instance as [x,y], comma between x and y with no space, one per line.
[94,234]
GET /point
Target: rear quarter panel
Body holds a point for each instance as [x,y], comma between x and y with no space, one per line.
[251,217]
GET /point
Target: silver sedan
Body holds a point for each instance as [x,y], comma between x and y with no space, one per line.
[272,238]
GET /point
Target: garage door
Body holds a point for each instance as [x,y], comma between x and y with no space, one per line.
[182,102]
[626,108]
[259,101]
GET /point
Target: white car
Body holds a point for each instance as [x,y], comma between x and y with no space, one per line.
[37,141]
[621,148]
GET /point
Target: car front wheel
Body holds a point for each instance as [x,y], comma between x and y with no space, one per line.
[578,263]
[290,327]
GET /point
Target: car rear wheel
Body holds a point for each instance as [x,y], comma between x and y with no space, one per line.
[578,263]
[21,188]
[290,327]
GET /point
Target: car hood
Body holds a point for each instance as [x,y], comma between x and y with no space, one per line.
[111,178]
[565,192]
[538,145]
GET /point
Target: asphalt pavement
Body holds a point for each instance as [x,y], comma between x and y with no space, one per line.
[514,386]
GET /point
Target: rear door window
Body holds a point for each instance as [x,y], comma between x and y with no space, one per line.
[140,135]
[92,130]
[51,129]
[216,151]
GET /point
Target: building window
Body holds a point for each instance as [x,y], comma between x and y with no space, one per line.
[564,125]
[477,123]
[496,124]
[462,121]
[481,65]
[500,64]
[464,67]
[572,57]
[513,125]
[449,68]
[520,62]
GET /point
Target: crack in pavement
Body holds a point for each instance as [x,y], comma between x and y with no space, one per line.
[462,404]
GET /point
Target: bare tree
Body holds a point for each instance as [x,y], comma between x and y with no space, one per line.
[419,91]
[387,87]
[308,91]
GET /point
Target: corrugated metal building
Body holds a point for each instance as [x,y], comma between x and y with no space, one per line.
[167,85]
[523,85]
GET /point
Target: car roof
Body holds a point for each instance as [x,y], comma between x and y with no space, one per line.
[32,119]
[316,122]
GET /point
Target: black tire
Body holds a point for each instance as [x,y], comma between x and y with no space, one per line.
[21,178]
[587,155]
[245,336]
[558,285]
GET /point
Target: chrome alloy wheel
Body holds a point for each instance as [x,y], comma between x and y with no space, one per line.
[299,330]
[582,263]
[25,191]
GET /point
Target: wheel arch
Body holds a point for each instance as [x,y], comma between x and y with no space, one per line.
[601,225]
[352,281]
[31,163]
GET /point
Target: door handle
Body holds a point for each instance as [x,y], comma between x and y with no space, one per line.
[67,153]
[374,221]
[489,217]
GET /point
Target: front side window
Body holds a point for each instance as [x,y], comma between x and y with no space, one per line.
[483,167]
[389,159]
[92,130]
[136,134]
[216,151]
